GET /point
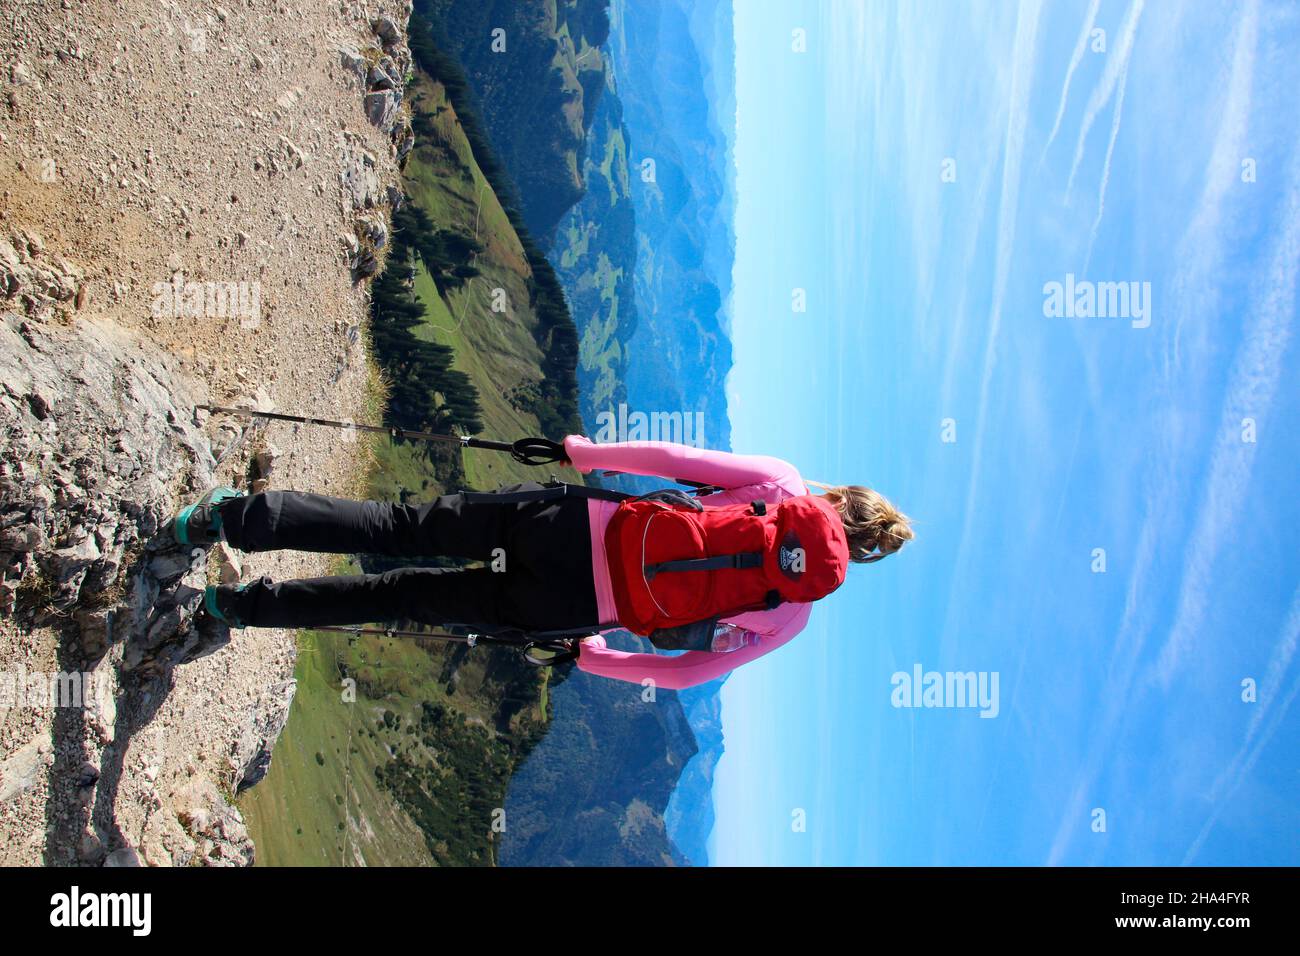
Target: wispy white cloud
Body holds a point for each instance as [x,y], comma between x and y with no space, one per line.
[1252,383]
[957,351]
[1198,253]
[1278,665]
[1201,247]
[1024,53]
[1115,695]
[1076,57]
[1105,169]
[1116,67]
[1114,80]
[1268,715]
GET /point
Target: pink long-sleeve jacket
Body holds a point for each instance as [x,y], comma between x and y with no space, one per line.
[745,478]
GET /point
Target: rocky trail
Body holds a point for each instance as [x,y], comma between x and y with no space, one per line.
[193,197]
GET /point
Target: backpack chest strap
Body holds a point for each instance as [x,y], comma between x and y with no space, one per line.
[741,560]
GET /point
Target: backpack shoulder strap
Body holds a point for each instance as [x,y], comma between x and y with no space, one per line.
[671,496]
[560,489]
[547,492]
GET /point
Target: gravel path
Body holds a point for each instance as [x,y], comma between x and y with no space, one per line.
[203,185]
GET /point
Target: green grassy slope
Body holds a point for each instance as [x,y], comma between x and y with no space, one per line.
[413,770]
[537,99]
[329,811]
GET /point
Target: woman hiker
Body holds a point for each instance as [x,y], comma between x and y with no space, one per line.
[547,567]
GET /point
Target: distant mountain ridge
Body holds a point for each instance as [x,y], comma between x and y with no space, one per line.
[674,67]
[680,352]
[595,256]
[538,72]
[606,771]
[652,312]
[643,251]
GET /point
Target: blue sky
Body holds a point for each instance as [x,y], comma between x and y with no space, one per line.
[1119,692]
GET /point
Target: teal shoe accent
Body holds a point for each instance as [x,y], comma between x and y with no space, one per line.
[180,525]
[200,523]
[214,610]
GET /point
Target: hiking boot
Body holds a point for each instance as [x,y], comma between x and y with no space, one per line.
[219,603]
[200,523]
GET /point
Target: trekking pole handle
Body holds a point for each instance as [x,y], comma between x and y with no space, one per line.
[526,451]
[561,652]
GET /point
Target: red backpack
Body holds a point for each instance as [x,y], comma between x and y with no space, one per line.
[674,562]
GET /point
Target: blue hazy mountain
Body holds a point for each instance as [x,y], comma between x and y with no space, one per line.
[679,353]
[644,253]
[676,65]
[595,254]
[593,792]
[688,819]
[645,259]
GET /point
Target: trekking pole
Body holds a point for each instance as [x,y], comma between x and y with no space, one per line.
[526,451]
[561,650]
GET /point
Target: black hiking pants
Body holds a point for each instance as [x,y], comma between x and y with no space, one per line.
[537,576]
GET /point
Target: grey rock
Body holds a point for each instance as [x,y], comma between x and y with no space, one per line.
[176,637]
[39,282]
[126,856]
[389,33]
[365,266]
[94,625]
[360,178]
[169,566]
[90,849]
[22,538]
[384,76]
[73,559]
[101,717]
[374,229]
[40,405]
[352,60]
[403,141]
[126,434]
[88,776]
[381,108]
[24,768]
[252,758]
[217,828]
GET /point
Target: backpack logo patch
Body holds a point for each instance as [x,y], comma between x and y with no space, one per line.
[791,557]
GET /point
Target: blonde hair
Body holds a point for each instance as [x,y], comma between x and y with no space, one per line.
[873,526]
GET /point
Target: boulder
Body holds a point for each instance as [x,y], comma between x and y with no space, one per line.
[23,769]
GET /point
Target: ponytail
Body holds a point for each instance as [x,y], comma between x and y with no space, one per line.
[873,526]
